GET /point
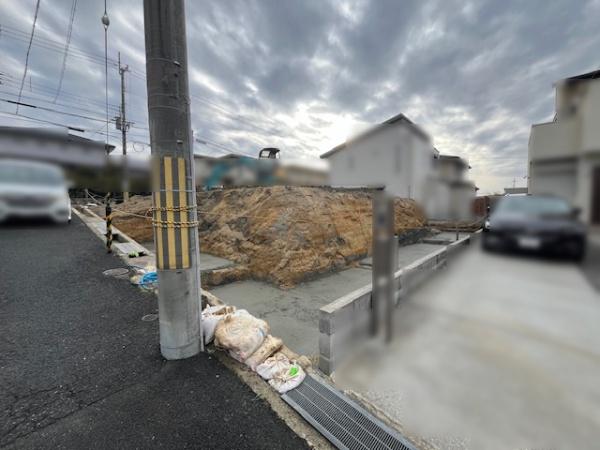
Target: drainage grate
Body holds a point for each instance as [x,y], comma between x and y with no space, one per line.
[345,423]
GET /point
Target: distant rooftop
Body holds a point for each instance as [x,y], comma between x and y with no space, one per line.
[594,74]
[55,133]
[455,160]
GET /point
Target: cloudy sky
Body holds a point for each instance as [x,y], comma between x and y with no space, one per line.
[303,75]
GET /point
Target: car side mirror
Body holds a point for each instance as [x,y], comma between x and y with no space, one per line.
[576,212]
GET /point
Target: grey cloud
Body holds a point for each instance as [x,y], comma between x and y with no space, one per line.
[476,74]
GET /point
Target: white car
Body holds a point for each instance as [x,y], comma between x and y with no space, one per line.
[33,189]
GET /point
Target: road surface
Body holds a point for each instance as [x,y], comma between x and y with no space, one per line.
[80,369]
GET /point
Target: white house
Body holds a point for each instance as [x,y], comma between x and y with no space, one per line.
[398,155]
[564,155]
[451,195]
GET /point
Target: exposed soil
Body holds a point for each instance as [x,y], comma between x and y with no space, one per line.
[280,234]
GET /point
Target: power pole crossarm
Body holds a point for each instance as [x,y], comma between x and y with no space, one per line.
[174,194]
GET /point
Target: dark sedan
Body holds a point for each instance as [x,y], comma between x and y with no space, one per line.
[541,224]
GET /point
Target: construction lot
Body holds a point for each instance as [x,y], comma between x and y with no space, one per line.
[494,351]
[500,351]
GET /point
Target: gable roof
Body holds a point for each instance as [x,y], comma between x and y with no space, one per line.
[399,118]
[452,159]
[584,76]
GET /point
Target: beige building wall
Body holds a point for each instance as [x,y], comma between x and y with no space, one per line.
[563,154]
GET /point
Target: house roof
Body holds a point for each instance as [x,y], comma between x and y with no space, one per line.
[455,160]
[399,118]
[594,74]
[53,133]
[56,134]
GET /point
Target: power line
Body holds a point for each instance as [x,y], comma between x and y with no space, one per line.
[67,44]
[34,119]
[42,108]
[35,16]
[48,44]
[48,91]
[37,99]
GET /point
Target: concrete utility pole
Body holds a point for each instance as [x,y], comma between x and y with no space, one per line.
[174,194]
[124,125]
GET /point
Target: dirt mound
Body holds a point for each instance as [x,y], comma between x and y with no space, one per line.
[281,234]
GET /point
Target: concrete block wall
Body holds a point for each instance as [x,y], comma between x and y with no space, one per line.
[345,323]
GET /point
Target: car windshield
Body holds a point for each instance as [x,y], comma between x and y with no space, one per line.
[30,174]
[534,206]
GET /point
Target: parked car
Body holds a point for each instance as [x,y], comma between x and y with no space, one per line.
[33,189]
[539,224]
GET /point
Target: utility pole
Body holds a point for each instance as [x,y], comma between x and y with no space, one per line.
[174,193]
[124,125]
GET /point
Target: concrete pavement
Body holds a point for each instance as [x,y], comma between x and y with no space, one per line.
[80,369]
[499,352]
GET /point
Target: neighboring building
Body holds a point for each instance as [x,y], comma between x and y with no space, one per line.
[395,153]
[451,195]
[564,155]
[399,155]
[85,162]
[300,175]
[54,146]
[516,191]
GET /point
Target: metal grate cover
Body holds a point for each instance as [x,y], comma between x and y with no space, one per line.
[345,423]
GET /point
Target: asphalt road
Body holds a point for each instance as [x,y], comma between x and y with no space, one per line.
[80,369]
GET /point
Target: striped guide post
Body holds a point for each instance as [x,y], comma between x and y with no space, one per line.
[108,218]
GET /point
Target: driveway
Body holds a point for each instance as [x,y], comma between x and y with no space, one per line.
[80,369]
[499,352]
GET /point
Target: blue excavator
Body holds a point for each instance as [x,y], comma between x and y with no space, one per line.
[264,168]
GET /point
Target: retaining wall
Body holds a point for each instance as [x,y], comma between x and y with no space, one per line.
[346,322]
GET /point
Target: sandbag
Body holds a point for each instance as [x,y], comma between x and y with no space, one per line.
[272,365]
[269,346]
[241,334]
[211,316]
[287,379]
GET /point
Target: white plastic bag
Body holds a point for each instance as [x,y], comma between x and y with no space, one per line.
[241,334]
[287,379]
[272,365]
[211,316]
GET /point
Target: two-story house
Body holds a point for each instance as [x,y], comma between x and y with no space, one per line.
[564,155]
[398,155]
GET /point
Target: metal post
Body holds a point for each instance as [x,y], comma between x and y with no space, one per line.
[385,257]
[174,194]
[124,127]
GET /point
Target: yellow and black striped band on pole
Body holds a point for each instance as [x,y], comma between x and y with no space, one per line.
[173,217]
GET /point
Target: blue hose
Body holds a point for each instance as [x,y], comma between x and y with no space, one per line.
[149,278]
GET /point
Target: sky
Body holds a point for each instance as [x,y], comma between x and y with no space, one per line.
[303,75]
